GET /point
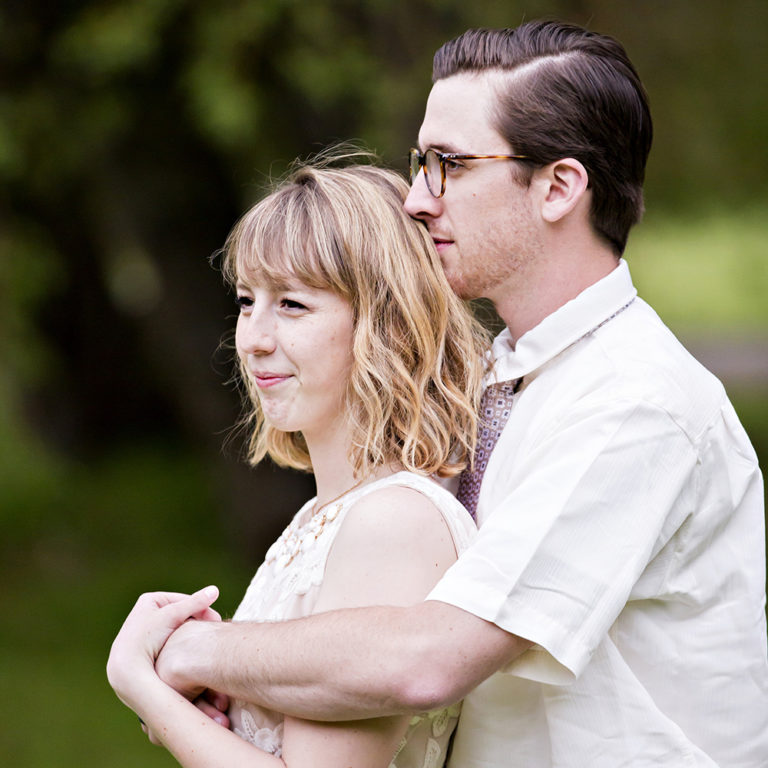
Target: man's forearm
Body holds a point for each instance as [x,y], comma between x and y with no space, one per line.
[320,667]
[342,665]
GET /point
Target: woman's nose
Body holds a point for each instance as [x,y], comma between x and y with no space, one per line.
[255,333]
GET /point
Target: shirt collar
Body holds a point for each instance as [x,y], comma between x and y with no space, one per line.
[564,327]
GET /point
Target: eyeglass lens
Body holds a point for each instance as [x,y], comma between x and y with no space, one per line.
[415,160]
[432,171]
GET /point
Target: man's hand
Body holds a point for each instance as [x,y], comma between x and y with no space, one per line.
[183,656]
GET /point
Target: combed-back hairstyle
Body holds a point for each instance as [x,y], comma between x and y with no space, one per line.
[570,93]
[418,354]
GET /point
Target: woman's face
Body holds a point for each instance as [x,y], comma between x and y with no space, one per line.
[296,345]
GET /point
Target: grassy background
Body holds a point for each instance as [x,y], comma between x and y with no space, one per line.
[706,273]
[97,536]
[79,542]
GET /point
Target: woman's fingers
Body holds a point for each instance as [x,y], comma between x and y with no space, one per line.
[203,598]
[153,619]
[174,608]
[212,711]
[219,700]
[209,614]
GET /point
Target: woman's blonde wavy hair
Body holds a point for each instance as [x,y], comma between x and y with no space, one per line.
[419,355]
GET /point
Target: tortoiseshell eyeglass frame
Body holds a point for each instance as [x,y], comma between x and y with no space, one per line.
[419,160]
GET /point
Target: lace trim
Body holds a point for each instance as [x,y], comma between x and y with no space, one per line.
[266,739]
[433,755]
[270,740]
[438,721]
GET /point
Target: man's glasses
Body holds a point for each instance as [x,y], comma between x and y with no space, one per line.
[433,163]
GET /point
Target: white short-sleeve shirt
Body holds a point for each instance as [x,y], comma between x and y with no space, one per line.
[622,531]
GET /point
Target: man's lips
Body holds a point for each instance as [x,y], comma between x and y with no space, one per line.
[441,242]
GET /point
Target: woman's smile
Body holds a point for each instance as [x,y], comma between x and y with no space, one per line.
[296,343]
[267,379]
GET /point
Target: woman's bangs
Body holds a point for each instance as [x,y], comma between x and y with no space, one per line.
[280,246]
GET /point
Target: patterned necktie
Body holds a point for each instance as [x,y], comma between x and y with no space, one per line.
[495,408]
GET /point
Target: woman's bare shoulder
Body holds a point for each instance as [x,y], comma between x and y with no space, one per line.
[391,549]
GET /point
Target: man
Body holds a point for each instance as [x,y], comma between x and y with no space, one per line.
[611,611]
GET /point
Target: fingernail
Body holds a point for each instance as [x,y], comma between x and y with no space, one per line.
[211,592]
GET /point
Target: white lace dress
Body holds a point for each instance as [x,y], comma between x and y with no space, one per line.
[287,584]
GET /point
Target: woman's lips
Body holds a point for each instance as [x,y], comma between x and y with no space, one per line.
[266,379]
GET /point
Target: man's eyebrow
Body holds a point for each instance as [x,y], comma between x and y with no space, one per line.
[447,149]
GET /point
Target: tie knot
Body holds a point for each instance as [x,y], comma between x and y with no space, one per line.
[506,388]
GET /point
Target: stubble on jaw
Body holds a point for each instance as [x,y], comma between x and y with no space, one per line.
[499,268]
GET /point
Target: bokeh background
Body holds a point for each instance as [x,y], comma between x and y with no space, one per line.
[132,135]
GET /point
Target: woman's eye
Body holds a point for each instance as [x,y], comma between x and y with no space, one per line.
[244,302]
[291,304]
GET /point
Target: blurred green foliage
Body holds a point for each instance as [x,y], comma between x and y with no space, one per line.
[705,272]
[132,134]
[78,553]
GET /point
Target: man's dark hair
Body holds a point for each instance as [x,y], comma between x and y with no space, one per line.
[571,93]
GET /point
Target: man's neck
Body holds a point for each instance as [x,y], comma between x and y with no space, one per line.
[548,288]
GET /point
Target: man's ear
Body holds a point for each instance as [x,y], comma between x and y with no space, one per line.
[564,184]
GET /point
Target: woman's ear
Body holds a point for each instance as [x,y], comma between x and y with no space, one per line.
[564,184]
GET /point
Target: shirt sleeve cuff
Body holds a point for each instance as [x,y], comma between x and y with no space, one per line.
[549,660]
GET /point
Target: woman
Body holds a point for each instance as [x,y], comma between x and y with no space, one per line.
[363,367]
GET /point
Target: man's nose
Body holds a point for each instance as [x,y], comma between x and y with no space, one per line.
[420,204]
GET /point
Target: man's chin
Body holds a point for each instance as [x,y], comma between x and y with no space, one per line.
[459,286]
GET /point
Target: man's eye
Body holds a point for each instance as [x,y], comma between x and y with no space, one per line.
[452,165]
